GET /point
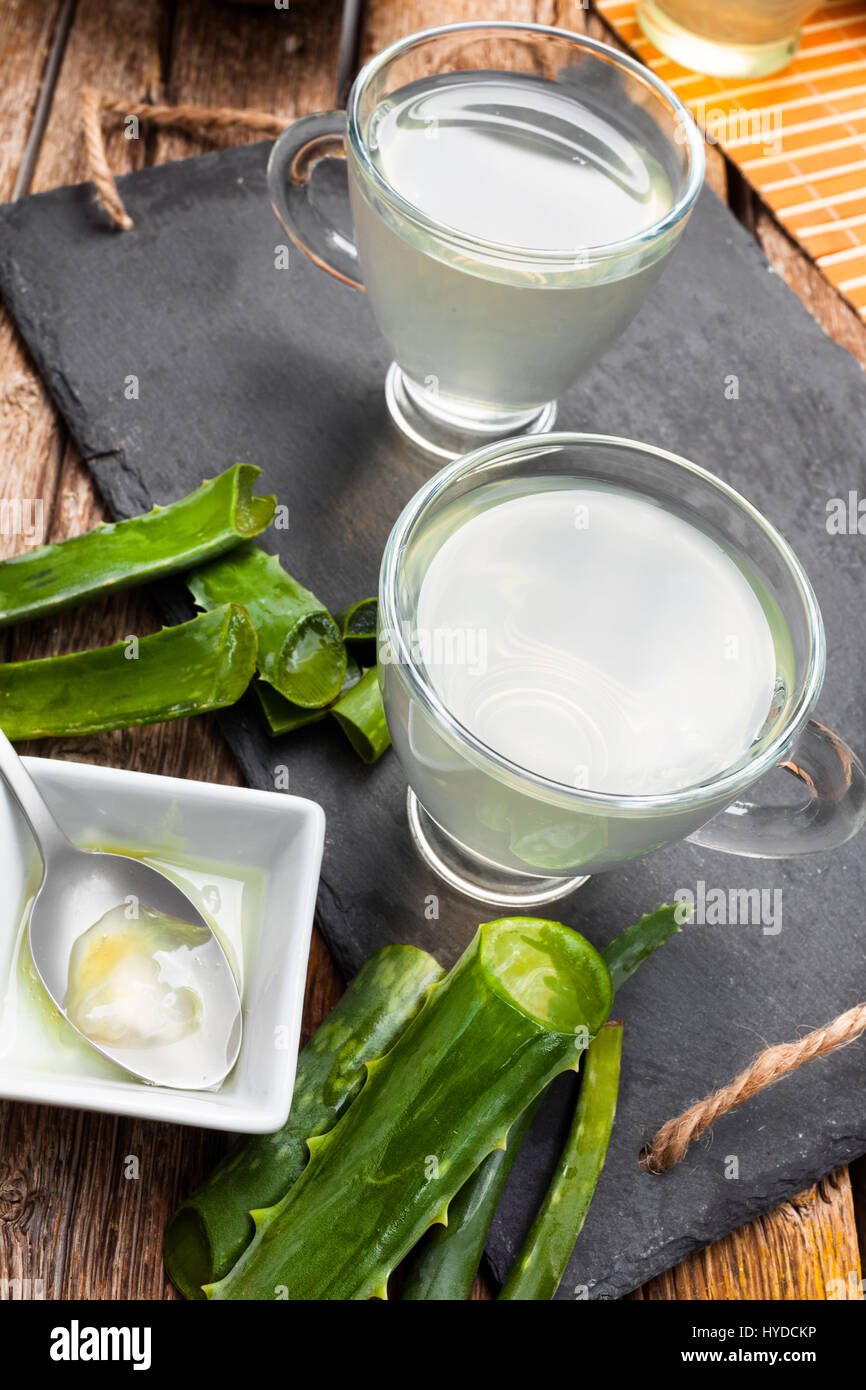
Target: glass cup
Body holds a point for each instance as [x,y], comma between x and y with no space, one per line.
[726,38]
[505,835]
[484,334]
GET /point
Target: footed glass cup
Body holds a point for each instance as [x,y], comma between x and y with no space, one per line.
[505,835]
[485,334]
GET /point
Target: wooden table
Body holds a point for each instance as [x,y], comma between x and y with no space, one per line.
[72,1225]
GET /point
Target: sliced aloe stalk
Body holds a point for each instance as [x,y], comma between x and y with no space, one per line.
[282,717]
[447,1259]
[361,715]
[197,666]
[515,1011]
[632,947]
[301,652]
[219,515]
[214,1226]
[357,625]
[542,1261]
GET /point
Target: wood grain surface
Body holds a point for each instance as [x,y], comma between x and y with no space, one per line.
[71,1224]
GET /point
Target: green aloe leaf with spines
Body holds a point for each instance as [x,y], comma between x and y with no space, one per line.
[444,1266]
[301,651]
[213,1227]
[516,1010]
[191,668]
[117,555]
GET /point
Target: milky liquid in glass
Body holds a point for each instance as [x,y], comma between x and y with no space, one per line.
[590,636]
[515,159]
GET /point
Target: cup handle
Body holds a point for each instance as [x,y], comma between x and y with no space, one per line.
[292,160]
[833,810]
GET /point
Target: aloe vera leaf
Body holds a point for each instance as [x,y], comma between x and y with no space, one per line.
[358,627]
[361,715]
[282,717]
[631,948]
[213,1227]
[196,666]
[448,1257]
[542,1261]
[516,1009]
[301,652]
[217,516]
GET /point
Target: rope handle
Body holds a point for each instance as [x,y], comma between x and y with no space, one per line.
[194,120]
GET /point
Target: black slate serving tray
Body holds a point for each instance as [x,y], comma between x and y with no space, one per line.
[236,359]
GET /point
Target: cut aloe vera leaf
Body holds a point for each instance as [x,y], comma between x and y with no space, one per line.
[219,515]
[632,947]
[361,715]
[448,1258]
[358,625]
[282,717]
[197,666]
[542,1261]
[301,652]
[517,1009]
[213,1227]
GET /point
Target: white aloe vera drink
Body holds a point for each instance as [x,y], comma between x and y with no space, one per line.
[589,635]
[517,160]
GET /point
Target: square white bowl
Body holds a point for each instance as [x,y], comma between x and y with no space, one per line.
[275,836]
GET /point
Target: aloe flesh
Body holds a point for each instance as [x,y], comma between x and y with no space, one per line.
[360,713]
[515,1011]
[358,626]
[542,1261]
[213,1227]
[283,717]
[197,666]
[218,515]
[301,652]
[448,1258]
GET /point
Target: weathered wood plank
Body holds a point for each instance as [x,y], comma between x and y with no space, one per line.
[118,46]
[284,61]
[125,37]
[27,28]
[29,442]
[806,1249]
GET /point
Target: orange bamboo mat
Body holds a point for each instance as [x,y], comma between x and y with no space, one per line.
[799,137]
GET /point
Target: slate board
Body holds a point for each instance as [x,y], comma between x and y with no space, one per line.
[239,360]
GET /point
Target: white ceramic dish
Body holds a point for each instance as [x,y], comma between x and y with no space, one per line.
[273,841]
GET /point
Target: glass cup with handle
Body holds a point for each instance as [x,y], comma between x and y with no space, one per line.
[515,190]
[727,38]
[591,648]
